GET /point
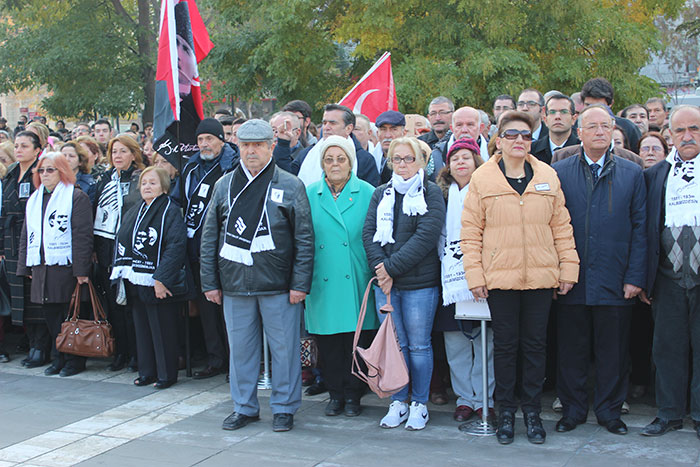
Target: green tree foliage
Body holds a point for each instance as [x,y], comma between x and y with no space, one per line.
[467,49]
[92,55]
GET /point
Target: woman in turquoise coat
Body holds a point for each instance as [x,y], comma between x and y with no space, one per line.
[339,203]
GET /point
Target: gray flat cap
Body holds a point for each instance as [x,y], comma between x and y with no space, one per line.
[254,130]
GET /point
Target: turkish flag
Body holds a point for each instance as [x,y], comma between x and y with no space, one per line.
[375,92]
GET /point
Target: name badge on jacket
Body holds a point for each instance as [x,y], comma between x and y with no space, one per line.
[277,195]
[24,190]
[542,187]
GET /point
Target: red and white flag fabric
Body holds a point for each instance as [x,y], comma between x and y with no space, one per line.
[375,92]
[183,43]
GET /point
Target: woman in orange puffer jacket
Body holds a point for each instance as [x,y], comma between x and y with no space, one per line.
[518,246]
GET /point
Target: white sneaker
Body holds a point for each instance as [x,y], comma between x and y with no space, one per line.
[418,417]
[397,414]
[556,405]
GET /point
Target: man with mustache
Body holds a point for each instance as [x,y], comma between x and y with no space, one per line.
[194,190]
[390,125]
[466,123]
[439,115]
[673,276]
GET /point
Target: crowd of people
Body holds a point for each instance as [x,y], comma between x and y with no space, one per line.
[547,203]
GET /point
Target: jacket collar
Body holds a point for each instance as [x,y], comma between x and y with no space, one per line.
[499,183]
[345,201]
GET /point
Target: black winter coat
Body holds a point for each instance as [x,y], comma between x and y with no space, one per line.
[171,270]
[655,178]
[412,261]
[104,247]
[288,267]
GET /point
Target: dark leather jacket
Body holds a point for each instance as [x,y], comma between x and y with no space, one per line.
[288,267]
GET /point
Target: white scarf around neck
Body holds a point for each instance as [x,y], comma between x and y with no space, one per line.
[682,192]
[52,230]
[413,204]
[454,283]
[311,171]
[109,208]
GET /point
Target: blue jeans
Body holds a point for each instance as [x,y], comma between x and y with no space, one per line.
[413,315]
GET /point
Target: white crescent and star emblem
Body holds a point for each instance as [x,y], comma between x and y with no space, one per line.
[361,100]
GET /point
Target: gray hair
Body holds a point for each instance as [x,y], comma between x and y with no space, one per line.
[681,107]
[484,118]
[442,100]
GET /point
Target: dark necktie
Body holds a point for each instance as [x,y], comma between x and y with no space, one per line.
[594,171]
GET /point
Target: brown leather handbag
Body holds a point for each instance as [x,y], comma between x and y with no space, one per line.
[386,372]
[84,337]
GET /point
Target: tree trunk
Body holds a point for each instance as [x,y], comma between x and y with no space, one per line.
[145,42]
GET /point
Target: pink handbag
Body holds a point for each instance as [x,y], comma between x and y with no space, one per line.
[387,372]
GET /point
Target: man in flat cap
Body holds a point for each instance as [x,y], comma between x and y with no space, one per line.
[257,260]
[194,191]
[390,125]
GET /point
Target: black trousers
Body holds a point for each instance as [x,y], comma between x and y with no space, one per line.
[519,321]
[213,327]
[38,336]
[641,337]
[608,327]
[335,355]
[156,337]
[55,314]
[119,316]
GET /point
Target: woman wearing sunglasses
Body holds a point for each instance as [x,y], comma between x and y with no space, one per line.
[401,232]
[518,247]
[55,249]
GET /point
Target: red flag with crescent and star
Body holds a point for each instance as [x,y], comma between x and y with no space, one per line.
[375,92]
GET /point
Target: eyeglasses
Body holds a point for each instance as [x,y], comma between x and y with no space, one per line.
[48,170]
[442,113]
[339,160]
[396,160]
[503,107]
[595,126]
[555,111]
[513,134]
[651,148]
[680,131]
[528,104]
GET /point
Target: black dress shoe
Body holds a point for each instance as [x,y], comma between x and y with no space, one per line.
[282,422]
[334,407]
[319,387]
[133,365]
[70,371]
[39,359]
[660,427]
[616,426]
[238,420]
[118,363]
[697,427]
[567,424]
[52,370]
[535,430]
[352,407]
[506,428]
[164,384]
[208,372]
[29,356]
[144,381]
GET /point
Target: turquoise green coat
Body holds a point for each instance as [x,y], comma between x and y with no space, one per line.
[341,271]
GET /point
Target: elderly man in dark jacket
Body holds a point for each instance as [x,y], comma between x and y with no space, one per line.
[606,198]
[673,279]
[194,191]
[257,259]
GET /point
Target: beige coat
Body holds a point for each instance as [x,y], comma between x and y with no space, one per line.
[514,242]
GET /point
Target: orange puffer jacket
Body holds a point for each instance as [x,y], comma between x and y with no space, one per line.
[514,242]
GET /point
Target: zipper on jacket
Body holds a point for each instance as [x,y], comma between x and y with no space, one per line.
[522,227]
